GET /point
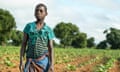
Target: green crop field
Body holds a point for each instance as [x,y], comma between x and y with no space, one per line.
[67,60]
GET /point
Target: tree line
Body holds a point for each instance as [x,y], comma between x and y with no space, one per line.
[68,34]
[8,29]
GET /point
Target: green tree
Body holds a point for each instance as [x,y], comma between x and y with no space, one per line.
[90,42]
[7,23]
[102,45]
[16,37]
[80,40]
[66,32]
[113,37]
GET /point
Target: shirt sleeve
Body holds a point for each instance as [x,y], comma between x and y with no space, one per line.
[26,29]
[51,34]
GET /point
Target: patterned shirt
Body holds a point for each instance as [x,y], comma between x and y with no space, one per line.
[37,40]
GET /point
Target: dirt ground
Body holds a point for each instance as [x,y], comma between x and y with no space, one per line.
[62,67]
[116,67]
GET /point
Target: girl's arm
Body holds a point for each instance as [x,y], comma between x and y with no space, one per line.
[23,48]
[51,54]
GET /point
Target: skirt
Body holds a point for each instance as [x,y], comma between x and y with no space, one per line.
[32,65]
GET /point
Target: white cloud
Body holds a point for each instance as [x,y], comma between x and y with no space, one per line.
[21,3]
[107,4]
[116,25]
[92,16]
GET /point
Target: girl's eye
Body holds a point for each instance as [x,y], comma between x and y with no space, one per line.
[41,11]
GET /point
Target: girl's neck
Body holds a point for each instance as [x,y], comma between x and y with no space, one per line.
[40,22]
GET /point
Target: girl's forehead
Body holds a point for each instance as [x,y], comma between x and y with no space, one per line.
[40,7]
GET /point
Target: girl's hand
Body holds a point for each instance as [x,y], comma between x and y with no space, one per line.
[21,67]
[51,69]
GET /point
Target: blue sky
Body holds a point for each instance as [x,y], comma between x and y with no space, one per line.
[91,16]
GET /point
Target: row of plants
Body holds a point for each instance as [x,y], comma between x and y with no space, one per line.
[105,65]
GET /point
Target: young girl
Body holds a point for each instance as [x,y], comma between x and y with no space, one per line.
[38,38]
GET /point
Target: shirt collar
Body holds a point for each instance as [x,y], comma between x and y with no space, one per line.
[44,26]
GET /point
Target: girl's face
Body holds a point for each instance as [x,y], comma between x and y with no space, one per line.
[40,13]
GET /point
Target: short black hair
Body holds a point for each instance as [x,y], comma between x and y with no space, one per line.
[41,5]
